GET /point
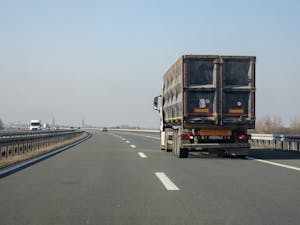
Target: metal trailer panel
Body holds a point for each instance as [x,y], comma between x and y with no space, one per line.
[172,93]
[238,90]
[210,91]
[200,89]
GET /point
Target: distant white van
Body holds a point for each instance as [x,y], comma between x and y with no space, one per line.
[35,125]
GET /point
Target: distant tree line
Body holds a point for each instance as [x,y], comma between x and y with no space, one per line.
[274,125]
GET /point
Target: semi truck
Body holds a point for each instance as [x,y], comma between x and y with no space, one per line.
[207,104]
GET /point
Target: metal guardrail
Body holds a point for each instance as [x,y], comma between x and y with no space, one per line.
[7,170]
[278,137]
[5,134]
[276,141]
[16,143]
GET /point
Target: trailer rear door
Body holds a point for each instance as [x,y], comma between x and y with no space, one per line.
[238,89]
[200,88]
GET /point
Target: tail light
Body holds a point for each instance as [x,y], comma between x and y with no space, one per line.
[187,137]
[244,137]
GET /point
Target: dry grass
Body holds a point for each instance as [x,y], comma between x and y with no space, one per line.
[4,162]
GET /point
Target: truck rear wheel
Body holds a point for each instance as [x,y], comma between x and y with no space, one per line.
[179,152]
[167,145]
[183,153]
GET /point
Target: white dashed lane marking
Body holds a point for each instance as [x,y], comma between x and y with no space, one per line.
[142,155]
[132,146]
[169,185]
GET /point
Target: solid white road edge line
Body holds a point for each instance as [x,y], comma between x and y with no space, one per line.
[169,185]
[142,155]
[274,163]
[132,146]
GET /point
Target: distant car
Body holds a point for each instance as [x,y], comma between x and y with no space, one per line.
[104,129]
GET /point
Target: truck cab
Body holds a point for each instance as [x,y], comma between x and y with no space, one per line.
[35,125]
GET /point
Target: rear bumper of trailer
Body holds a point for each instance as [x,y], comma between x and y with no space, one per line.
[217,145]
[233,149]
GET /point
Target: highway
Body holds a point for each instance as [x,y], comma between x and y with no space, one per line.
[122,178]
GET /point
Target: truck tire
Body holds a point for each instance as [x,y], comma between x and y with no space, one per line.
[183,153]
[166,144]
[175,145]
[179,152]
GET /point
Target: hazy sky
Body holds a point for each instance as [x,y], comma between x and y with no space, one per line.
[103,61]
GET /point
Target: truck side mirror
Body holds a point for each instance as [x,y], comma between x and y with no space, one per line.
[155,103]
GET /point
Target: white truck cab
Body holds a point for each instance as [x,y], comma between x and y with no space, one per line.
[35,125]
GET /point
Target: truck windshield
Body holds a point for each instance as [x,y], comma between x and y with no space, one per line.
[35,124]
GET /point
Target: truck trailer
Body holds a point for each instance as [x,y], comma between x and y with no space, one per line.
[208,104]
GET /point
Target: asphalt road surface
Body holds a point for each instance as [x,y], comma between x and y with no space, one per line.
[117,178]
